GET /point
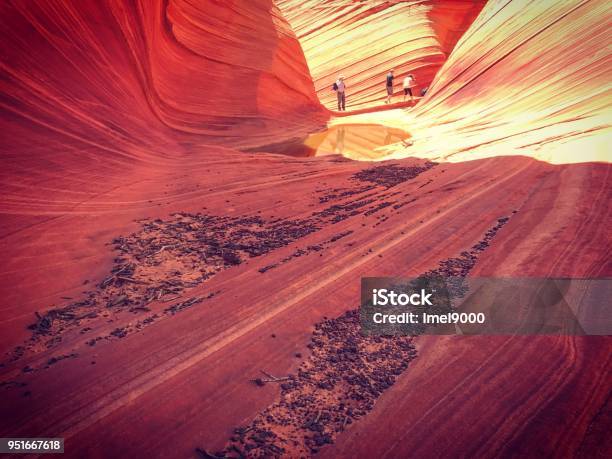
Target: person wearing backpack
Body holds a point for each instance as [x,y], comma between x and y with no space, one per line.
[389,86]
[340,89]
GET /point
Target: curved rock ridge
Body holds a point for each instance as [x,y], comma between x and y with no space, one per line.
[526,79]
[363,40]
[148,77]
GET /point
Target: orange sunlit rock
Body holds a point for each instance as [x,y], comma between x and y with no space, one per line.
[363,40]
[527,80]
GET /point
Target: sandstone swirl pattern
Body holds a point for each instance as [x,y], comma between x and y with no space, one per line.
[151,75]
[527,78]
[363,40]
[120,122]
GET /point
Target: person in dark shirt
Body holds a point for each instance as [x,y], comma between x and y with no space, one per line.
[389,86]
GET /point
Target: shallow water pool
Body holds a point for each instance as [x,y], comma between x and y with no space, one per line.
[355,141]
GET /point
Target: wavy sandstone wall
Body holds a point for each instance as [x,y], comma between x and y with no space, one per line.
[105,105]
[150,75]
[105,110]
[363,40]
[528,78]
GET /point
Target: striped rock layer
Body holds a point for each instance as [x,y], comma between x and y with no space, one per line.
[364,40]
[527,78]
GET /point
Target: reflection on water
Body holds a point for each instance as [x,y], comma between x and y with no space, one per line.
[355,141]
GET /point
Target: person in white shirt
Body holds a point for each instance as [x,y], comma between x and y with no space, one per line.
[340,89]
[409,83]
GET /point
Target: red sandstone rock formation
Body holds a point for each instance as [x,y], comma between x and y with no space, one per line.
[106,120]
[161,76]
[98,96]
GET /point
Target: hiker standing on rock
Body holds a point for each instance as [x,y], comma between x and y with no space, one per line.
[340,87]
[409,83]
[389,86]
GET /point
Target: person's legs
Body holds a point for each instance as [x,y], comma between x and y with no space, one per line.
[343,102]
[405,92]
[410,92]
[339,95]
[389,93]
